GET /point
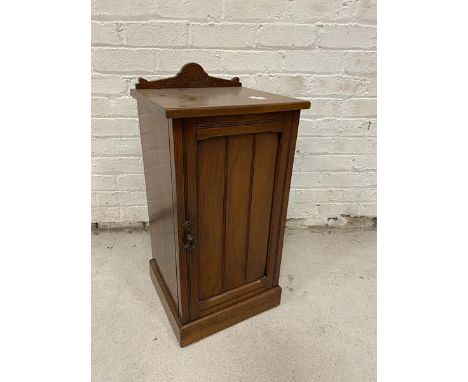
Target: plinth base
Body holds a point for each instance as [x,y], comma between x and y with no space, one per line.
[216,321]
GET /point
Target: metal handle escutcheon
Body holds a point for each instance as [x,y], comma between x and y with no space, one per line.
[189,238]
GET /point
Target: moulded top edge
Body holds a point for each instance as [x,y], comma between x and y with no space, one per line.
[195,102]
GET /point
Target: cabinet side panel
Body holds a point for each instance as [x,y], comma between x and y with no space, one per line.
[210,215]
[178,185]
[292,123]
[266,146]
[154,131]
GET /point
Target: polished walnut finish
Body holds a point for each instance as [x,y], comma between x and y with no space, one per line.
[218,161]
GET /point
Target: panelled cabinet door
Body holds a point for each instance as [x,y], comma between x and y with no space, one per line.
[235,170]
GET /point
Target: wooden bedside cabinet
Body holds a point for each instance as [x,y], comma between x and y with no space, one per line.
[218,160]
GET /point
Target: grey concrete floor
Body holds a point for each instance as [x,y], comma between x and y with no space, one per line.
[324,329]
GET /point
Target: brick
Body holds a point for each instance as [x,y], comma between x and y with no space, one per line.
[335,195]
[349,179]
[366,10]
[105,33]
[304,10]
[113,107]
[279,83]
[104,214]
[306,180]
[172,60]
[116,146]
[106,198]
[341,145]
[106,9]
[308,221]
[106,165]
[338,209]
[286,35]
[264,10]
[367,209]
[134,214]
[223,35]
[103,182]
[365,162]
[128,146]
[298,163]
[111,127]
[112,60]
[302,210]
[105,85]
[131,182]
[370,86]
[289,11]
[360,63]
[325,162]
[102,147]
[137,198]
[360,107]
[332,127]
[251,61]
[155,34]
[323,107]
[120,198]
[94,201]
[319,62]
[206,9]
[335,86]
[350,36]
[307,127]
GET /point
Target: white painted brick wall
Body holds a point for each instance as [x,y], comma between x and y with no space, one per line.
[321,50]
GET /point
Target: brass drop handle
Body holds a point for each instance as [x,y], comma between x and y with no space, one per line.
[189,238]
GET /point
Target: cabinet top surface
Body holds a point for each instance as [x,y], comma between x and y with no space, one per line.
[198,102]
